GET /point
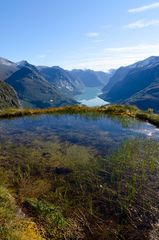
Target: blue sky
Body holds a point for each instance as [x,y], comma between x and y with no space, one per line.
[96,34]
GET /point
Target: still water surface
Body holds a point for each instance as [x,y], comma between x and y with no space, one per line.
[101,133]
[90,97]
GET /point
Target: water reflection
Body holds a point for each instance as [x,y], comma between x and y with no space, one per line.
[101,133]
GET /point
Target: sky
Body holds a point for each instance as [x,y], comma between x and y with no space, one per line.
[85,34]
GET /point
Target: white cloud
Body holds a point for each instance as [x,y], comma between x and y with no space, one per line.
[114,57]
[92,34]
[144,8]
[142,24]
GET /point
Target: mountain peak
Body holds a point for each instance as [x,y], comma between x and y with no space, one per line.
[22,63]
[5,61]
[148,62]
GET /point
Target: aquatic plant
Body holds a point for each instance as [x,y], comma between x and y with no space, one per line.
[71,193]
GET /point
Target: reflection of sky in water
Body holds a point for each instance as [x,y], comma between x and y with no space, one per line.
[93,102]
[101,133]
[148,130]
[90,97]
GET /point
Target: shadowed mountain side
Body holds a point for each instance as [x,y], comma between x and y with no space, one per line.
[63,80]
[34,91]
[8,97]
[136,84]
[91,78]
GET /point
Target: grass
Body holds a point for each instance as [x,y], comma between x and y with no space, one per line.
[13,226]
[70,194]
[116,110]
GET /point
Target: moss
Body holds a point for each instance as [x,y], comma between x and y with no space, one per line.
[49,215]
[25,229]
[49,212]
[12,226]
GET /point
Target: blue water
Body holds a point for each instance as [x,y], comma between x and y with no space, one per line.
[90,97]
[100,133]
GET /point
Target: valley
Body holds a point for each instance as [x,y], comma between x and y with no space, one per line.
[42,86]
[90,97]
[79,152]
[79,120]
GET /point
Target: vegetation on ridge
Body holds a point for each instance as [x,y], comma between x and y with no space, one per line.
[119,110]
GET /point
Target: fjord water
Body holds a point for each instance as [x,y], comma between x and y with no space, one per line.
[90,98]
[101,133]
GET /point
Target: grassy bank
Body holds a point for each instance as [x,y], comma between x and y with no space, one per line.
[116,110]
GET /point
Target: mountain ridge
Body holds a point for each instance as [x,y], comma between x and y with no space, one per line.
[42,86]
[132,84]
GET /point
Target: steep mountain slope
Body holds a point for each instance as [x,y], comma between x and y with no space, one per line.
[90,78]
[122,72]
[146,98]
[8,97]
[6,68]
[34,90]
[138,84]
[48,86]
[62,79]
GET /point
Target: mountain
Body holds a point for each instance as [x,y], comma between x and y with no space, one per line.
[8,97]
[6,68]
[34,90]
[122,72]
[74,82]
[42,86]
[90,78]
[137,84]
[62,79]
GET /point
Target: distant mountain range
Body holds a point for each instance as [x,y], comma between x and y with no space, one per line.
[63,79]
[42,86]
[90,78]
[26,85]
[136,84]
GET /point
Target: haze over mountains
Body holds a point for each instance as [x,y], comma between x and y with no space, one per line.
[43,86]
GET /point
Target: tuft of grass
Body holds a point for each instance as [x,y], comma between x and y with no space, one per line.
[49,213]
